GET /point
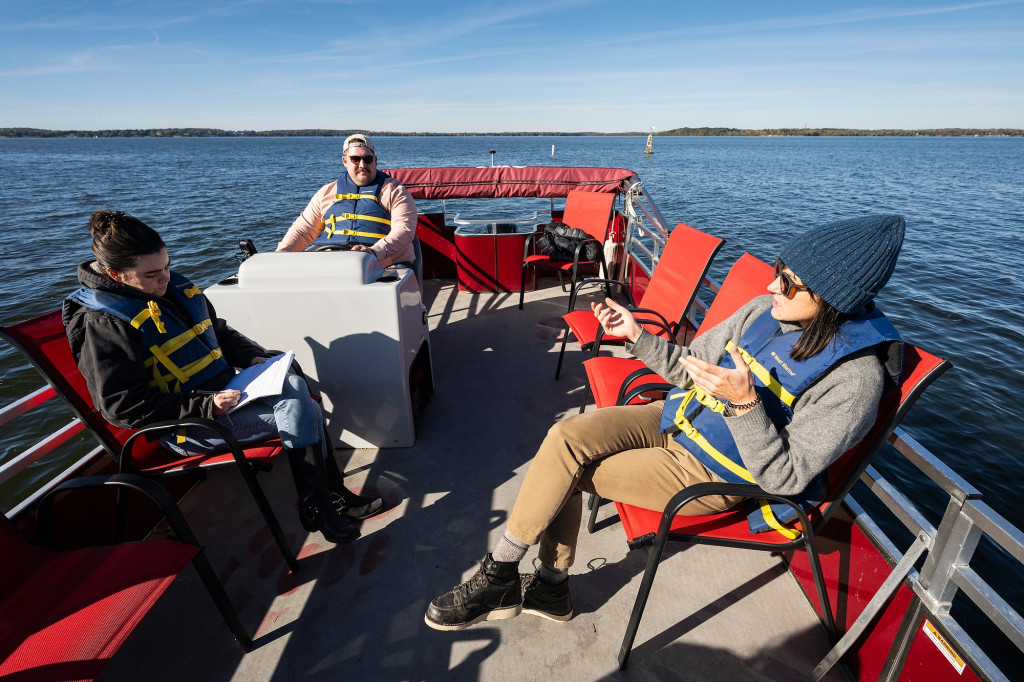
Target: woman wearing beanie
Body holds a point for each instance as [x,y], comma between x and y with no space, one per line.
[131,303]
[772,395]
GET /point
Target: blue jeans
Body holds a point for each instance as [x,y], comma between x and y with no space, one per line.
[293,416]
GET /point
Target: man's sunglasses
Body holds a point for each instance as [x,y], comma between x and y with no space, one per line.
[368,159]
[788,288]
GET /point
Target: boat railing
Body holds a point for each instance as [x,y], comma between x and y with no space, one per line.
[949,550]
[646,235]
[646,231]
[28,495]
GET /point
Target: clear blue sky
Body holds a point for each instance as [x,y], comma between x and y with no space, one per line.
[490,66]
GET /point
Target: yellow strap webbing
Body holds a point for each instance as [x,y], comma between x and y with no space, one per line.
[162,381]
[693,434]
[191,291]
[762,373]
[181,339]
[329,225]
[343,197]
[164,360]
[152,310]
[713,403]
[774,523]
[161,354]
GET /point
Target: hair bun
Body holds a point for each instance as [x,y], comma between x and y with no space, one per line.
[101,222]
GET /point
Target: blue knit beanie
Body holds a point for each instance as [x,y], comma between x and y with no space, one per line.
[848,262]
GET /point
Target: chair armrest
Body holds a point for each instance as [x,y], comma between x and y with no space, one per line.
[579,248]
[159,427]
[639,320]
[633,376]
[625,396]
[598,280]
[698,490]
[528,242]
[156,494]
[664,323]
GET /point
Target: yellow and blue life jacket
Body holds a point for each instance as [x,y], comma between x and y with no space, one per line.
[181,355]
[356,216]
[778,381]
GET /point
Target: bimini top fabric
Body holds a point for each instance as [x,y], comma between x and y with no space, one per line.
[507,181]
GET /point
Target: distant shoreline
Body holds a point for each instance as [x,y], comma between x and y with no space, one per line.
[677,132]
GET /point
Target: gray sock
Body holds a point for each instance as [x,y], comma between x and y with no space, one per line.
[552,576]
[510,549]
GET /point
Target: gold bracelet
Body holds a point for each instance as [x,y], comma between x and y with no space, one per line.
[746,406]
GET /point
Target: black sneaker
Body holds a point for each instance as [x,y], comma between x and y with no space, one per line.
[493,593]
[547,601]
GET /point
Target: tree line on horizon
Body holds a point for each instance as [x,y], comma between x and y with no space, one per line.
[675,132]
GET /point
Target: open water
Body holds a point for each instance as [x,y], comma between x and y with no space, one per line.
[956,291]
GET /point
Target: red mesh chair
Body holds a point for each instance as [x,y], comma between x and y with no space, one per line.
[684,263]
[587,211]
[747,278]
[43,342]
[65,613]
[647,528]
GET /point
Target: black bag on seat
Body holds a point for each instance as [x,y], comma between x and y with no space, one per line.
[559,242]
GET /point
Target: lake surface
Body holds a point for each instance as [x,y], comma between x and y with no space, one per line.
[956,290]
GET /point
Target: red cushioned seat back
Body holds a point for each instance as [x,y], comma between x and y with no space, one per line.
[683,264]
[748,278]
[43,341]
[590,212]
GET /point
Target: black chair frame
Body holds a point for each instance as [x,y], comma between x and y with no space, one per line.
[245,467]
[576,263]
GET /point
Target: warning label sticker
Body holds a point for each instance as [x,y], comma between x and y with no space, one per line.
[944,647]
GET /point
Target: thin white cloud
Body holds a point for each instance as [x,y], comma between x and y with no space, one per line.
[199,15]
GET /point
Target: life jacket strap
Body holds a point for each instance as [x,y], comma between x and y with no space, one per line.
[183,338]
[331,229]
[191,291]
[182,374]
[343,197]
[762,373]
[774,523]
[693,434]
[151,311]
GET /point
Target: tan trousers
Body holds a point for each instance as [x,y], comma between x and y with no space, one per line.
[615,452]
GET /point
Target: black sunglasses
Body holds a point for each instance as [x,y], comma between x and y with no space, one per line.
[787,286]
[367,159]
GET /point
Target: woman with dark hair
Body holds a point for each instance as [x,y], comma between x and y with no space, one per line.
[151,348]
[772,395]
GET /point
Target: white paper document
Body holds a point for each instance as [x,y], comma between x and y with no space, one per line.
[259,381]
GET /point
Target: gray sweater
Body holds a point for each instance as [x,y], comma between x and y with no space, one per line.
[829,417]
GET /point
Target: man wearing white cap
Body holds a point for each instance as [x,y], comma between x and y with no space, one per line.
[363,210]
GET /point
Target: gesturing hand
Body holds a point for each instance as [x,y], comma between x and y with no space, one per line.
[728,385]
[616,320]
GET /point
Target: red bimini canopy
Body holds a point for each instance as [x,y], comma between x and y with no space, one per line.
[507,181]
